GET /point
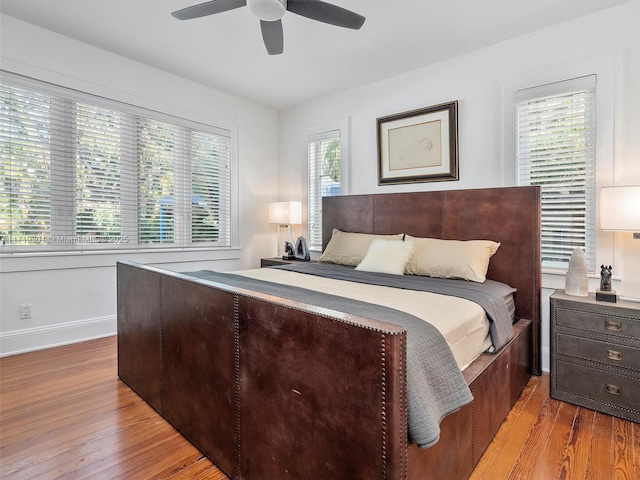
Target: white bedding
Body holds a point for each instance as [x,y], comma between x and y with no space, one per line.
[463,323]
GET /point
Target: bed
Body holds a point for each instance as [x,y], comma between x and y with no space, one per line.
[271,387]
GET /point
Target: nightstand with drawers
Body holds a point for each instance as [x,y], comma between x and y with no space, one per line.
[274,262]
[595,354]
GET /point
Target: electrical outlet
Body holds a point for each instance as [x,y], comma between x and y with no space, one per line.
[636,236]
[25,312]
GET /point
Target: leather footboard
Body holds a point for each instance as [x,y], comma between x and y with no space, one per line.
[264,387]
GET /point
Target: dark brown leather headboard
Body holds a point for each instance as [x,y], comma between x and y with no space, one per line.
[509,215]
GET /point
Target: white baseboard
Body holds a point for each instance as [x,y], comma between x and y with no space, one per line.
[37,338]
[546,358]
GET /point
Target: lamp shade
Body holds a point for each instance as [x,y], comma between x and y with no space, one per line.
[620,208]
[285,213]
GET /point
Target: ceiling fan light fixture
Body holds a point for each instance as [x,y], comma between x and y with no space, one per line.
[267,10]
[270,13]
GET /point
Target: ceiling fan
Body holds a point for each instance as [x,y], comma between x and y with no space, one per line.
[271,11]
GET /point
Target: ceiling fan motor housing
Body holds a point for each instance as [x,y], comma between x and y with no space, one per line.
[268,10]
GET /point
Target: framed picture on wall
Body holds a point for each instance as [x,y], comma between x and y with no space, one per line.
[419,145]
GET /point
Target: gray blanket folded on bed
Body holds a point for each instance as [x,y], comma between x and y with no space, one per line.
[490,295]
[435,385]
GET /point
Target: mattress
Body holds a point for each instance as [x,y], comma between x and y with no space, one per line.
[463,323]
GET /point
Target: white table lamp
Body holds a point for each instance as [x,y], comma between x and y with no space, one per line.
[619,211]
[620,208]
[285,214]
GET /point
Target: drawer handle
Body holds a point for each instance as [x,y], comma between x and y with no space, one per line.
[614,326]
[613,355]
[613,389]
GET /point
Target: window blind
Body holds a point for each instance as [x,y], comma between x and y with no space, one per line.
[324,179]
[83,172]
[556,150]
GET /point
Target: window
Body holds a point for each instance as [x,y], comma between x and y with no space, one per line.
[324,179]
[556,131]
[85,173]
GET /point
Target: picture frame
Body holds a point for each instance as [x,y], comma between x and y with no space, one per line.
[419,145]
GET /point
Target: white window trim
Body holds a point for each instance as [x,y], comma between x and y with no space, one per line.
[87,91]
[345,153]
[529,101]
[605,68]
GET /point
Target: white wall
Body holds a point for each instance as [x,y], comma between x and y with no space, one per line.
[477,80]
[73,296]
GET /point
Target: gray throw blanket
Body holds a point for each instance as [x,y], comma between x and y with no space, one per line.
[435,385]
[490,295]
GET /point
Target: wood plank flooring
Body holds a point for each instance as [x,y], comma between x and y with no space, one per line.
[64,414]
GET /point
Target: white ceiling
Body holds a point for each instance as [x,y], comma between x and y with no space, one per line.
[225,51]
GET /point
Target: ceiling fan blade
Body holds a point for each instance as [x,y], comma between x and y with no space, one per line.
[272,36]
[326,12]
[208,8]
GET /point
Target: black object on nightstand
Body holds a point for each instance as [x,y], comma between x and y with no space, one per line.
[595,354]
[604,293]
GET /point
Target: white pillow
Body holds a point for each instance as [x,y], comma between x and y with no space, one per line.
[387,256]
[466,259]
[347,248]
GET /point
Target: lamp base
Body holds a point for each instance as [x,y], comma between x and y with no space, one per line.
[288,257]
[609,296]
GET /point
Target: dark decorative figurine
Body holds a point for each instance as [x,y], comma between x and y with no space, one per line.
[605,278]
[605,293]
[289,252]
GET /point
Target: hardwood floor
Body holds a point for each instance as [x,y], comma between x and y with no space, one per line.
[543,439]
[65,414]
